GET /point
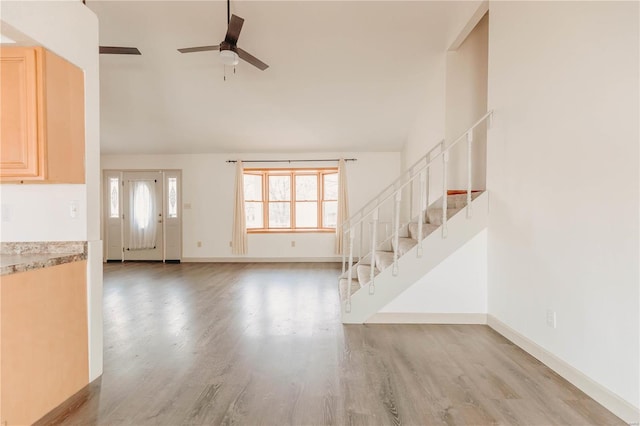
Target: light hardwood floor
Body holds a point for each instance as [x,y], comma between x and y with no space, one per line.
[262,344]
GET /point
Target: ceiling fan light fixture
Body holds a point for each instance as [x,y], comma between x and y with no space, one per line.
[229,57]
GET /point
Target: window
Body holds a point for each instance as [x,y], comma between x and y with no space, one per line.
[290,200]
[172,197]
[114,197]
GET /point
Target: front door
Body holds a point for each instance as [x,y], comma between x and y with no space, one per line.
[142,210]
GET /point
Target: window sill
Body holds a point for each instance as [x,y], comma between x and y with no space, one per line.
[291,231]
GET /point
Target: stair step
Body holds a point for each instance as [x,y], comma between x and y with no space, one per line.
[344,283]
[434,214]
[404,245]
[427,228]
[364,274]
[384,259]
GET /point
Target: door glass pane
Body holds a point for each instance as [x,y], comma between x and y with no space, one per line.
[279,188]
[306,187]
[330,214]
[279,215]
[253,212]
[307,215]
[172,195]
[142,204]
[331,186]
[252,187]
[114,197]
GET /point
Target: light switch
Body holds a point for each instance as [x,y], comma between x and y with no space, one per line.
[73,209]
[6,213]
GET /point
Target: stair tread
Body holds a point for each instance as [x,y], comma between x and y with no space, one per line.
[404,245]
[343,284]
[364,274]
[384,259]
[427,228]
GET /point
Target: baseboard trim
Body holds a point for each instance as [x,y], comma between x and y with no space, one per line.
[612,402]
[426,318]
[71,404]
[260,259]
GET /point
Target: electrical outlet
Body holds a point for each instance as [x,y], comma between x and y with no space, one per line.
[199,243]
[293,243]
[551,318]
[187,206]
[230,243]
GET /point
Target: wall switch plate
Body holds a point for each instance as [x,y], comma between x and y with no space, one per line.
[551,318]
[187,206]
[293,243]
[199,243]
[73,209]
[6,213]
[230,243]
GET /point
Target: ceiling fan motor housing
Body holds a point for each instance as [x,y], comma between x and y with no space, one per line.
[228,56]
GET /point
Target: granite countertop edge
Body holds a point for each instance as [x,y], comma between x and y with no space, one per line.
[23,257]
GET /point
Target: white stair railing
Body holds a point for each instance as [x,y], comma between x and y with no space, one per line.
[419,171]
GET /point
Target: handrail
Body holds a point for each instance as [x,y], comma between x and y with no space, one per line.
[416,172]
[392,184]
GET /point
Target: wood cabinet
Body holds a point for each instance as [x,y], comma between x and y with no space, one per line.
[41,117]
[43,341]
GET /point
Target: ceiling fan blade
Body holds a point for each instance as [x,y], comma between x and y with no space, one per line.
[116,50]
[198,49]
[252,59]
[233,32]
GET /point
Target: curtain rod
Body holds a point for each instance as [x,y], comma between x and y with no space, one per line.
[289,161]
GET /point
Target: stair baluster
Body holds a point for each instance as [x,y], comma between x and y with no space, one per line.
[396,230]
[361,243]
[344,252]
[350,274]
[445,162]
[374,243]
[469,143]
[423,181]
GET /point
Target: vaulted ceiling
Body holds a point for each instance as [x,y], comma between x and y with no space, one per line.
[343,76]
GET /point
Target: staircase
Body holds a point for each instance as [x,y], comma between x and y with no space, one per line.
[379,266]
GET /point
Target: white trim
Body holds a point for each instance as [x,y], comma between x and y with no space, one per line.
[469,26]
[427,318]
[259,259]
[612,402]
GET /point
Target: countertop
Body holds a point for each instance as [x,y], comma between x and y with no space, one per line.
[25,256]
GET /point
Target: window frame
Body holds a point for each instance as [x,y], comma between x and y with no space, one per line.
[319,172]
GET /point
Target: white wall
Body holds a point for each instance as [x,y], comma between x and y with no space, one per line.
[457,285]
[47,23]
[41,213]
[564,183]
[466,102]
[208,186]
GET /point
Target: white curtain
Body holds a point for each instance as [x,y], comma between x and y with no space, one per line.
[142,196]
[239,240]
[343,205]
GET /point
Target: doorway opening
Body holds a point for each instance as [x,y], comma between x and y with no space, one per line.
[466,99]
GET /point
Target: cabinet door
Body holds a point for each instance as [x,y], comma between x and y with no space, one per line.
[44,340]
[20,147]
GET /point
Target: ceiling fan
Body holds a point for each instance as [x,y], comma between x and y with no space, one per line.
[117,50]
[229,50]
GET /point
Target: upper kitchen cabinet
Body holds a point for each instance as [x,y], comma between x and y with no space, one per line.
[41,117]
